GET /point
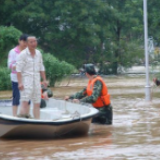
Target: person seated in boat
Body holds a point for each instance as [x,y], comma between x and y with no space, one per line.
[46,93]
[95,93]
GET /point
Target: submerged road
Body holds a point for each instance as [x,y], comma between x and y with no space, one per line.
[134,135]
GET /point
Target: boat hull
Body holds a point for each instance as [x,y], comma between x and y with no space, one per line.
[28,130]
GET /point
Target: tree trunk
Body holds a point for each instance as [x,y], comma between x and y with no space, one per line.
[117,52]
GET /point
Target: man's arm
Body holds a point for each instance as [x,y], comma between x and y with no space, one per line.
[42,72]
[79,95]
[19,67]
[96,93]
[20,84]
[43,75]
[11,61]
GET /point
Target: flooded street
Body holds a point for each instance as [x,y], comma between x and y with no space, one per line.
[134,135]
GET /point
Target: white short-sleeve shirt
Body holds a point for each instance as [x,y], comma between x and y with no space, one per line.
[30,68]
[12,58]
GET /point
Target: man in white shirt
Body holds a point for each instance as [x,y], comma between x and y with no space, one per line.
[12,58]
[29,67]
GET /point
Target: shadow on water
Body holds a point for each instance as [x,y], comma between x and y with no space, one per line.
[41,137]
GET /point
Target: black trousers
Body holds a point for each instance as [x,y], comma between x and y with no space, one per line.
[15,94]
[43,103]
[105,115]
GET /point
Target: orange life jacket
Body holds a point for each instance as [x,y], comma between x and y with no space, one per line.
[104,98]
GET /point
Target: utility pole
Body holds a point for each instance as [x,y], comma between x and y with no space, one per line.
[147,87]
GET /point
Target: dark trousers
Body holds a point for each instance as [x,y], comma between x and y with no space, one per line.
[43,103]
[105,115]
[15,94]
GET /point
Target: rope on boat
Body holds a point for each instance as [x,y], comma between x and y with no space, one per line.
[76,115]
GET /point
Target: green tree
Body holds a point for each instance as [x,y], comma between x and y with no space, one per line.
[8,39]
[81,31]
[67,28]
[154,20]
[5,82]
[55,69]
[124,19]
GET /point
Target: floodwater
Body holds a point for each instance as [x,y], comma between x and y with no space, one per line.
[134,135]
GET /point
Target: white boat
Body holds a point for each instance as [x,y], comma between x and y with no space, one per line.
[59,118]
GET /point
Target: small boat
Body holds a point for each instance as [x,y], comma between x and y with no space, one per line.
[58,119]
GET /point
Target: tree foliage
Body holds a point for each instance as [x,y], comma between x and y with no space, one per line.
[8,39]
[82,31]
[5,82]
[154,20]
[55,69]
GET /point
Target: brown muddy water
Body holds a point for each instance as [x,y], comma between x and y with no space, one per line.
[134,135]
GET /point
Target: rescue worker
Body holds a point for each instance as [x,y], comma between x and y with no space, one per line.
[95,93]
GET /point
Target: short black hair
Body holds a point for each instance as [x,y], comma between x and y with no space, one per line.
[23,37]
[91,72]
[31,36]
[90,69]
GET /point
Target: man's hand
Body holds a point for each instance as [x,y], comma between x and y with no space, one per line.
[20,86]
[45,83]
[66,98]
[76,100]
